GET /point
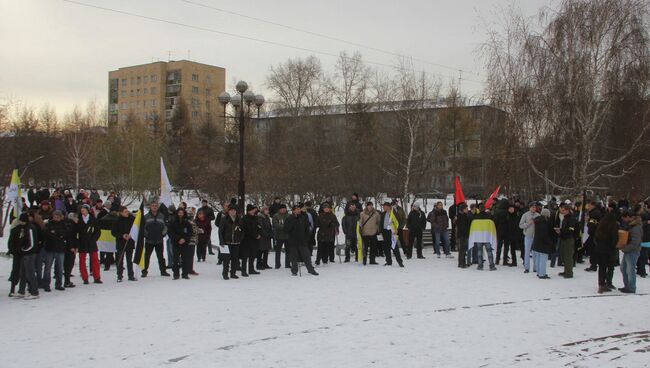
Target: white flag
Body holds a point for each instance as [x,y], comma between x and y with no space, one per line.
[165,186]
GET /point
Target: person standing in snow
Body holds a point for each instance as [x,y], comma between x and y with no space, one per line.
[298,229]
[328,229]
[124,244]
[369,227]
[483,233]
[230,235]
[24,239]
[281,237]
[251,236]
[349,225]
[463,220]
[566,230]
[631,250]
[527,224]
[312,216]
[180,232]
[204,228]
[543,243]
[155,230]
[266,240]
[55,244]
[439,229]
[209,215]
[389,226]
[89,233]
[416,223]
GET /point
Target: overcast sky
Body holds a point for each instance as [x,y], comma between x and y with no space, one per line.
[60,53]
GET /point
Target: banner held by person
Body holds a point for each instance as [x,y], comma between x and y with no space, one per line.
[137,234]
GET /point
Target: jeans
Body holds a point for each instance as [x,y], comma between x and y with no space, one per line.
[444,235]
[540,260]
[628,269]
[528,245]
[488,248]
[170,252]
[57,258]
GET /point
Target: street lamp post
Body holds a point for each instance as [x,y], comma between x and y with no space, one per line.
[244,97]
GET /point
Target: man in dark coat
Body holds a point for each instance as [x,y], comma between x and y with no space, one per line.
[439,224]
[155,230]
[349,225]
[390,235]
[280,236]
[416,223]
[328,229]
[594,215]
[312,217]
[566,230]
[275,206]
[250,242]
[298,229]
[180,233]
[354,200]
[124,244]
[266,240]
[55,244]
[24,244]
[463,221]
[230,235]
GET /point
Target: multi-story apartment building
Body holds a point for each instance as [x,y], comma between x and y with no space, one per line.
[152,91]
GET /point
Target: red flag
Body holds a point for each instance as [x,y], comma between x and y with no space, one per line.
[460,197]
[490,201]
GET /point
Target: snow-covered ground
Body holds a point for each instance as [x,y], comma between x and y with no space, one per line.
[429,314]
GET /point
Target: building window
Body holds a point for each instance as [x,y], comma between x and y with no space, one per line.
[195,89]
[123,93]
[154,103]
[145,79]
[144,91]
[195,77]
[125,106]
[207,92]
[132,81]
[154,78]
[195,102]
[139,80]
[154,90]
[131,93]
[137,92]
[123,82]
[207,104]
[123,117]
[168,114]
[208,79]
[195,114]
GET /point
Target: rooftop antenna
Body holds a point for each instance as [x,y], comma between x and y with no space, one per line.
[188,55]
[169,56]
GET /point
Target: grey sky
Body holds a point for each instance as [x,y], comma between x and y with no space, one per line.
[60,53]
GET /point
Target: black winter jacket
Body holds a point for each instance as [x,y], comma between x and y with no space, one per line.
[56,236]
[88,234]
[416,221]
[230,231]
[297,227]
[543,240]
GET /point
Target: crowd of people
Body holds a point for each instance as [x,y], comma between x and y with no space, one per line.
[54,228]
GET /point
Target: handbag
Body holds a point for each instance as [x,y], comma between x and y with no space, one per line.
[623,239]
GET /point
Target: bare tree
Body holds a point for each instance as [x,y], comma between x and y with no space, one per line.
[561,81]
[77,141]
[294,82]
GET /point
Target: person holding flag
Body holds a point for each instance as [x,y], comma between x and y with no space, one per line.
[122,231]
[389,227]
[483,233]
